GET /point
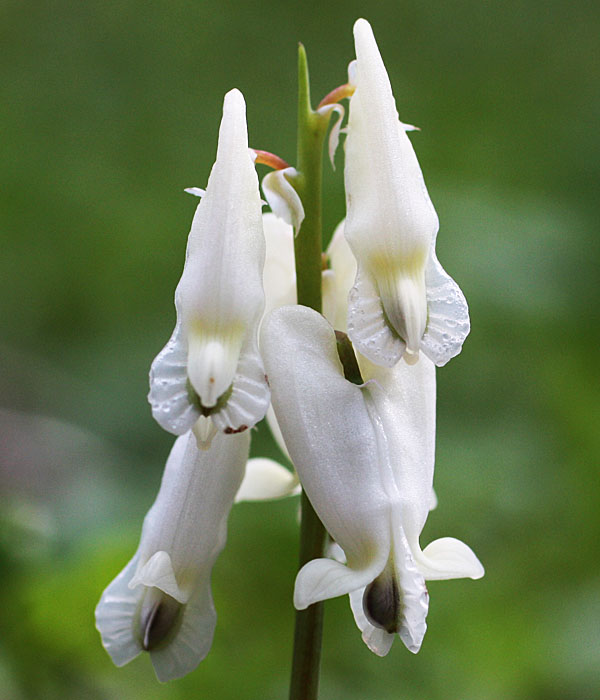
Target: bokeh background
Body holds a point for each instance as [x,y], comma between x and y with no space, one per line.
[109,110]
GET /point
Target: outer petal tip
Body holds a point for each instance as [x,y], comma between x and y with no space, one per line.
[362,28]
[265,479]
[321,579]
[234,98]
[448,558]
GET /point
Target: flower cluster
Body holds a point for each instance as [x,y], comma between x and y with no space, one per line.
[360,432]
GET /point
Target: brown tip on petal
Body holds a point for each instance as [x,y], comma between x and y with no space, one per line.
[270,159]
[337,94]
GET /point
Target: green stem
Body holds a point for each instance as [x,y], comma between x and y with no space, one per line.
[308,243]
[312,128]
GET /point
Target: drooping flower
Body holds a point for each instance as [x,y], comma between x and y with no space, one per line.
[365,458]
[162,602]
[211,365]
[402,302]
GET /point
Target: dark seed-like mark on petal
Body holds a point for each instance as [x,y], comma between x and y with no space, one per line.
[159,622]
[381,603]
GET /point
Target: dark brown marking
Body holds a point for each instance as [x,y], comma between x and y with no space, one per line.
[234,431]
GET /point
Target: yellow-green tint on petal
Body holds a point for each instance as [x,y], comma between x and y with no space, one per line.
[381,261]
[401,286]
[213,359]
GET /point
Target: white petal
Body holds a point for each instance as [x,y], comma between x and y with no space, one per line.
[414,603]
[365,458]
[212,363]
[196,493]
[173,401]
[448,558]
[116,616]
[334,551]
[352,72]
[448,314]
[276,431]
[265,480]
[331,440]
[388,207]
[367,325]
[334,134]
[193,640]
[220,298]
[204,431]
[196,191]
[329,305]
[404,400]
[283,198]
[433,503]
[404,301]
[250,395]
[279,273]
[158,572]
[379,641]
[321,579]
[391,223]
[221,284]
[415,598]
[183,534]
[337,285]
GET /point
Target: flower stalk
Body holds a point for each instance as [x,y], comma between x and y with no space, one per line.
[312,127]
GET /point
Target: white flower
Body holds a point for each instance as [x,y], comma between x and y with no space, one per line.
[211,365]
[161,602]
[365,457]
[402,301]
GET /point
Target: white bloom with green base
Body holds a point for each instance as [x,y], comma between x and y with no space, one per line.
[211,366]
[365,457]
[402,301]
[161,602]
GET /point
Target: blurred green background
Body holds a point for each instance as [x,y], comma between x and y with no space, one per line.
[109,110]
